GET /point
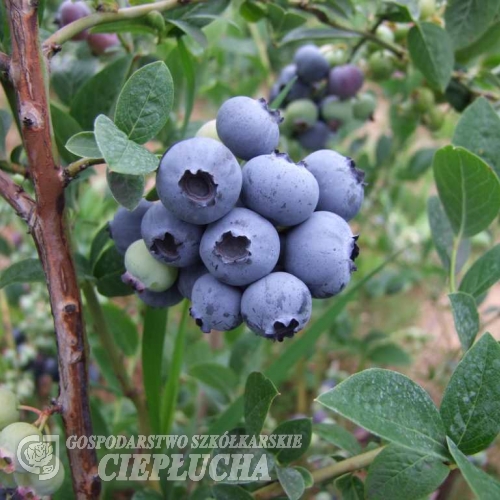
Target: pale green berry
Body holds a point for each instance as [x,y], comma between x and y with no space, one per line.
[10,438]
[208,130]
[42,487]
[8,408]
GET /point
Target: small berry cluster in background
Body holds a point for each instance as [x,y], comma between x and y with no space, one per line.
[253,243]
[323,96]
[99,43]
[13,476]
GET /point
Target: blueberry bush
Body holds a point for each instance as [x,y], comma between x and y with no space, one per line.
[244,217]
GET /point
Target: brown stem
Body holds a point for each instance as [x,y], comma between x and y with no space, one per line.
[4,62]
[49,229]
[17,198]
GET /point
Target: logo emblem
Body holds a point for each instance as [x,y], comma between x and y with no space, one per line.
[38,455]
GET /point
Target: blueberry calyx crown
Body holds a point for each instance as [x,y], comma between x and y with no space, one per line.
[275,113]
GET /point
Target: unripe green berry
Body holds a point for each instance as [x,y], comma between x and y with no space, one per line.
[144,271]
[7,480]
[381,64]
[8,408]
[333,110]
[364,106]
[10,437]
[300,115]
[31,483]
[385,33]
[334,54]
[434,119]
[427,8]
[156,20]
[208,130]
[424,100]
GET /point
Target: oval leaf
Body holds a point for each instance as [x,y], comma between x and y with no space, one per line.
[401,473]
[299,426]
[391,406]
[483,274]
[122,328]
[431,52]
[84,145]
[145,102]
[292,482]
[259,394]
[25,271]
[471,403]
[121,154]
[126,189]
[468,188]
[466,317]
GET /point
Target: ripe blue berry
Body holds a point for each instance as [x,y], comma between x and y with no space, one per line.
[312,65]
[144,271]
[170,240]
[277,306]
[240,248]
[248,127]
[345,81]
[188,277]
[199,180]
[341,187]
[215,305]
[72,11]
[282,191]
[315,137]
[100,43]
[321,252]
[8,408]
[125,228]
[161,300]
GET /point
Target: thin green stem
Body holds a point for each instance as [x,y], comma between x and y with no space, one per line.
[172,386]
[115,357]
[352,464]
[53,43]
[73,169]
[453,262]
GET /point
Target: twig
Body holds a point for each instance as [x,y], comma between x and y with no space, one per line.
[352,464]
[363,40]
[4,62]
[73,169]
[14,168]
[54,42]
[50,232]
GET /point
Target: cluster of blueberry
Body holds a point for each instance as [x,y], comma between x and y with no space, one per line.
[322,97]
[98,43]
[13,477]
[270,235]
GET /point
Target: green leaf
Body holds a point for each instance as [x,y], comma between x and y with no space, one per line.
[126,189]
[419,163]
[304,34]
[431,52]
[292,482]
[153,339]
[5,248]
[442,235]
[122,328]
[483,274]
[145,102]
[468,189]
[306,476]
[108,270]
[391,406]
[351,487]
[389,354]
[251,11]
[25,271]
[100,241]
[299,426]
[467,20]
[64,126]
[259,394]
[466,317]
[121,154]
[339,437]
[478,131]
[98,94]
[214,375]
[84,145]
[230,492]
[471,403]
[191,30]
[402,11]
[484,486]
[488,42]
[188,68]
[398,473]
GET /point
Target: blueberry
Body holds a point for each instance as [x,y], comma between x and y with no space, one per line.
[199,180]
[100,43]
[51,367]
[215,305]
[341,187]
[240,248]
[125,228]
[320,252]
[381,64]
[315,137]
[10,438]
[8,408]
[335,112]
[287,74]
[312,65]
[345,81]
[299,90]
[300,115]
[144,271]
[29,483]
[208,130]
[248,127]
[72,11]
[277,306]
[170,240]
[282,191]
[188,277]
[161,300]
[19,336]
[364,106]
